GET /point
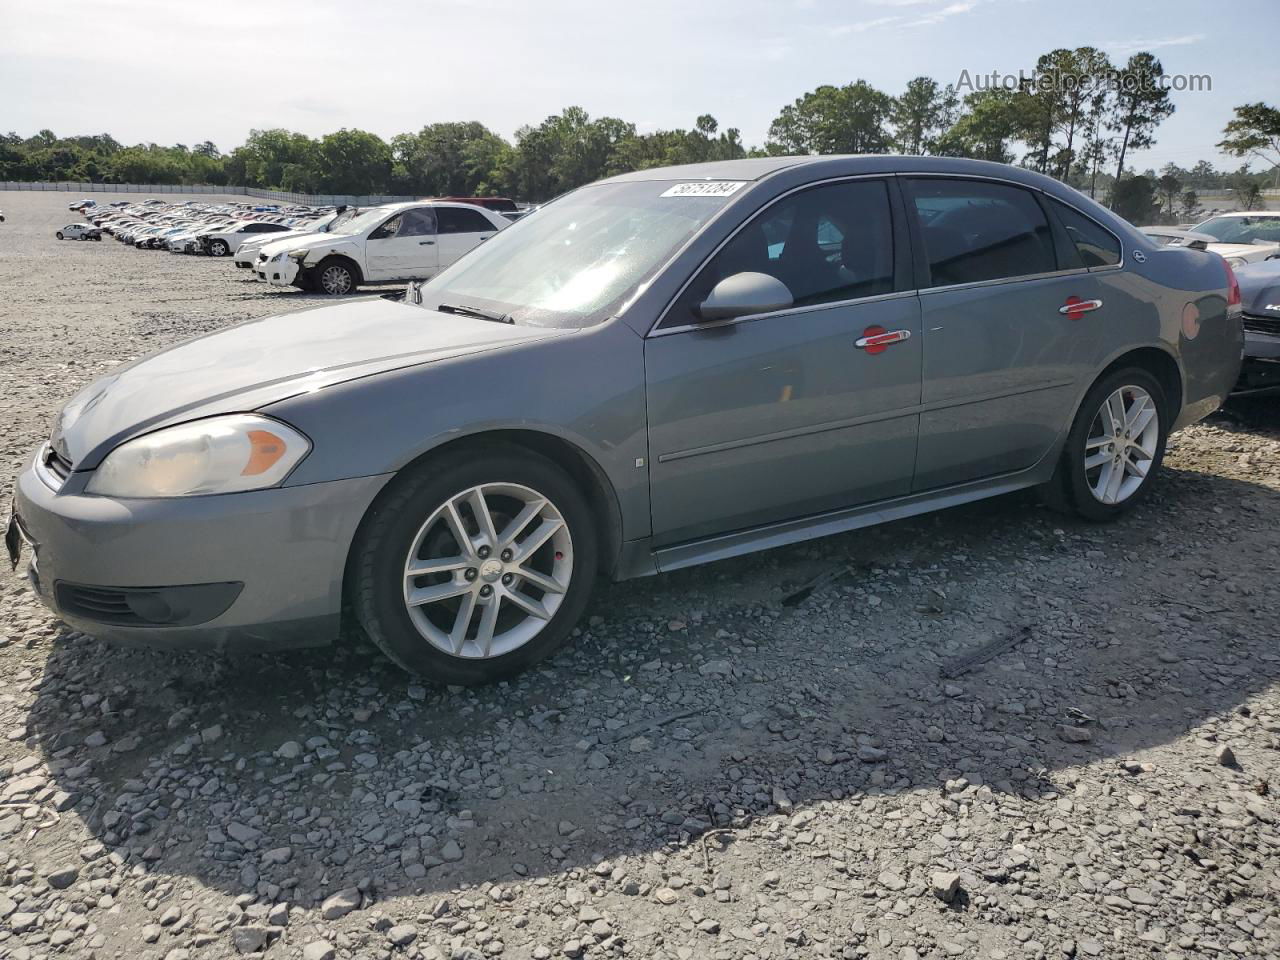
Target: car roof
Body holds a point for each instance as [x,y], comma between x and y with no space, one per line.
[757,168]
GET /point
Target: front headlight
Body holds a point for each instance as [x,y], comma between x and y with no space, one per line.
[227,454]
[298,255]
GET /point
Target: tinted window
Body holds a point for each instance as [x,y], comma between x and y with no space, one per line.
[981,231]
[419,222]
[1096,245]
[826,244]
[461,220]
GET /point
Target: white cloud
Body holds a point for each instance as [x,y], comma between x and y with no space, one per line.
[863,26]
[951,10]
[1133,46]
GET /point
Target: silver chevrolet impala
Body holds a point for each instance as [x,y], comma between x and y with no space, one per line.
[661,369]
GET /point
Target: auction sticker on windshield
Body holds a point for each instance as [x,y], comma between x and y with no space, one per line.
[705,188]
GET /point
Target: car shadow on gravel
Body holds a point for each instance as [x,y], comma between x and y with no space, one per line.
[691,704]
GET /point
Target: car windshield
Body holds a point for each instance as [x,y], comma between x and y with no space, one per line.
[1242,229]
[364,221]
[577,260]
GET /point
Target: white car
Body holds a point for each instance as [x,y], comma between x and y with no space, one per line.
[399,241]
[222,242]
[80,205]
[79,231]
[1245,236]
[247,253]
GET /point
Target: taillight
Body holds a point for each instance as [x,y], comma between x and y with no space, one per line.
[1233,287]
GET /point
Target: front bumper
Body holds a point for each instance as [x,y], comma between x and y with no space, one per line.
[278,273]
[1260,372]
[287,546]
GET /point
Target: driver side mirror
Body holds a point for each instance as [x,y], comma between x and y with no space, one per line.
[744,294]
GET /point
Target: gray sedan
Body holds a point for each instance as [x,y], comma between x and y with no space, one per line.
[662,369]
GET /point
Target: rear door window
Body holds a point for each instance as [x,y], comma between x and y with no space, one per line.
[460,220]
[976,230]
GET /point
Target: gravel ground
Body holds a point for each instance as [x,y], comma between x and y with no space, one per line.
[716,769]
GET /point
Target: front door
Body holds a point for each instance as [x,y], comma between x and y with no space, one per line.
[460,229]
[404,247]
[799,411]
[1004,351]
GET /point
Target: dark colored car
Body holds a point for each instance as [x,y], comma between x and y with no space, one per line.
[658,370]
[1260,296]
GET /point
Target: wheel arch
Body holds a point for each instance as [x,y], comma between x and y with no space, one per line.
[1161,364]
[580,465]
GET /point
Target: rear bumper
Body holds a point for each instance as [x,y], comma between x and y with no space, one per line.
[261,570]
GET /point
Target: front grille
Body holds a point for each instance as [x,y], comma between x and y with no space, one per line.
[1256,324]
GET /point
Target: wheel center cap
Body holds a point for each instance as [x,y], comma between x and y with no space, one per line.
[490,570]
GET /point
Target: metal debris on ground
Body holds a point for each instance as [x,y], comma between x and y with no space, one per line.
[963,664]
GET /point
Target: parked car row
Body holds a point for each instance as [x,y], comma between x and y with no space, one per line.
[192,226]
[332,250]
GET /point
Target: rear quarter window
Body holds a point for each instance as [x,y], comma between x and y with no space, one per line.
[1097,246]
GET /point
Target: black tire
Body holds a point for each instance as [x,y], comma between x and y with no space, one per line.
[376,570]
[59,234]
[327,277]
[1070,490]
[218,248]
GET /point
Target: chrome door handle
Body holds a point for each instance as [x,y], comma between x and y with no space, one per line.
[1075,307]
[878,341]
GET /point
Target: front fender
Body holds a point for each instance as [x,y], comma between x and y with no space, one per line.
[586,389]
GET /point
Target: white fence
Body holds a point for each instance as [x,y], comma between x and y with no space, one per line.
[157,189]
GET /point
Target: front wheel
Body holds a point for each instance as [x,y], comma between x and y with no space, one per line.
[335,278]
[1115,446]
[59,234]
[471,569]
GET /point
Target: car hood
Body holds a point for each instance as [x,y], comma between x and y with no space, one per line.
[309,241]
[264,361]
[269,238]
[1259,251]
[1260,288]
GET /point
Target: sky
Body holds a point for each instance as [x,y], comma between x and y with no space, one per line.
[174,71]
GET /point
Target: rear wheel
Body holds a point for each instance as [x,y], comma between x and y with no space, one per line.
[1114,448]
[470,569]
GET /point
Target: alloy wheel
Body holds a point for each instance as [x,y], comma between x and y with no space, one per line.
[488,570]
[1122,444]
[335,279]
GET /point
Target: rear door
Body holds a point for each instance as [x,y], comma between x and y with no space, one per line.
[404,247]
[791,413]
[460,229]
[1007,308]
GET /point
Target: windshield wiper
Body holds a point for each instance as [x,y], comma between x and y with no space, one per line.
[468,311]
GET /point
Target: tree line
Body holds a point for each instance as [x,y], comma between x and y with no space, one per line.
[1075,116]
